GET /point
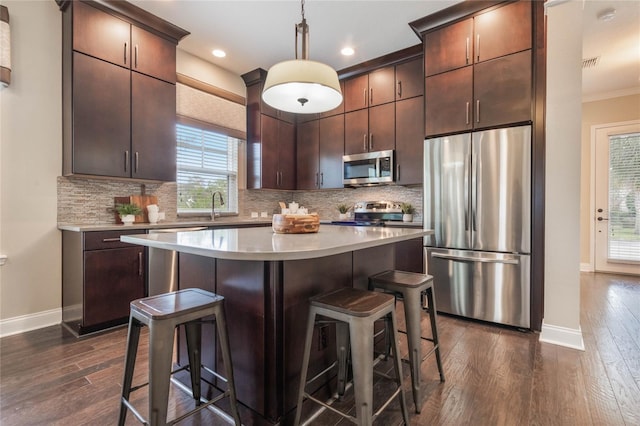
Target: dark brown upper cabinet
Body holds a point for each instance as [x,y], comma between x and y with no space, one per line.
[320,146]
[119,72]
[502,31]
[271,141]
[497,32]
[409,81]
[374,88]
[409,140]
[448,48]
[479,71]
[371,129]
[107,37]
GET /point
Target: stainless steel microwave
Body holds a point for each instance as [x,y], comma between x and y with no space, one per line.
[368,168]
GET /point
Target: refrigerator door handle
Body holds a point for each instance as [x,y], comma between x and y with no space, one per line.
[475,259]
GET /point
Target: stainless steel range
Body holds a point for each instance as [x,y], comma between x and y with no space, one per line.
[373,213]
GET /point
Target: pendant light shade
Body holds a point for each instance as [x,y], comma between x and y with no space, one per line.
[300,85]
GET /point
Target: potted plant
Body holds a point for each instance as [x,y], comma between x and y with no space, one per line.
[343,209]
[407,212]
[128,212]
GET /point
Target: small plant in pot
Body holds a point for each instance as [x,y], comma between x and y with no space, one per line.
[128,212]
[407,212]
[343,209]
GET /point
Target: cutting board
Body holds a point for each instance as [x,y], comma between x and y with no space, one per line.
[141,201]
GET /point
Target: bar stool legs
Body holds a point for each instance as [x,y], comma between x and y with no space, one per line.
[355,313]
[412,288]
[162,314]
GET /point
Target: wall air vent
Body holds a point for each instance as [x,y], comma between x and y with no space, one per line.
[590,62]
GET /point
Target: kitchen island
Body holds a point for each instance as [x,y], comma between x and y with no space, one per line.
[267,279]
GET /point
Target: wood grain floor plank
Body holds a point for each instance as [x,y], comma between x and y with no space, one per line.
[495,375]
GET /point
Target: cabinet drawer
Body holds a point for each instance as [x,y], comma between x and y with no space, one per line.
[107,239]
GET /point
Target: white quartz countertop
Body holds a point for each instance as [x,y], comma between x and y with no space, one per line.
[263,244]
[162,225]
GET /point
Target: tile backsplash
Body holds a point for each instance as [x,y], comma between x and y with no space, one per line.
[90,201]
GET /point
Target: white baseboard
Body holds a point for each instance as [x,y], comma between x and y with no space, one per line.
[586,267]
[562,336]
[30,322]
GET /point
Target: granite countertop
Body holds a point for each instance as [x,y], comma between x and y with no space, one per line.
[262,244]
[160,225]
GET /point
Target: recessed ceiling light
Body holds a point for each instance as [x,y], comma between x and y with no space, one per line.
[607,14]
[347,51]
[219,53]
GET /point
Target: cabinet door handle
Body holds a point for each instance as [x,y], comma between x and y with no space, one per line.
[400,89]
[317,180]
[125,53]
[135,64]
[364,96]
[136,169]
[140,264]
[468,106]
[321,179]
[397,172]
[477,110]
[111,240]
[126,160]
[371,96]
[370,141]
[467,51]
[478,48]
[364,142]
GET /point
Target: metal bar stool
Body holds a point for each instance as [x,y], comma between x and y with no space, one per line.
[412,287]
[162,314]
[355,312]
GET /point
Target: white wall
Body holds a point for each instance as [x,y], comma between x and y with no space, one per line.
[30,161]
[561,323]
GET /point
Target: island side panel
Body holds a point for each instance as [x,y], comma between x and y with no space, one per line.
[371,261]
[242,283]
[302,280]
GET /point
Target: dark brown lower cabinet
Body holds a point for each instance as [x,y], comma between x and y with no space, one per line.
[100,277]
[113,278]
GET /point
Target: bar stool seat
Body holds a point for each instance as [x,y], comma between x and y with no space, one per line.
[412,288]
[162,314]
[355,312]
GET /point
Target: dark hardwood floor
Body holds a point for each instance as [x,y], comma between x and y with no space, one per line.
[495,375]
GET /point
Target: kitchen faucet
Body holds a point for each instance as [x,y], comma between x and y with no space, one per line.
[213,204]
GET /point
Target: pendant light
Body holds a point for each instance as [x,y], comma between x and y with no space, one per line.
[300,85]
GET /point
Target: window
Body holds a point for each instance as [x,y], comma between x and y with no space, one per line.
[624,197]
[207,161]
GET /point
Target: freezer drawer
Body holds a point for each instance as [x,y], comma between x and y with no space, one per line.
[492,287]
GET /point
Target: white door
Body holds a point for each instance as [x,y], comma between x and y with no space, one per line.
[617,198]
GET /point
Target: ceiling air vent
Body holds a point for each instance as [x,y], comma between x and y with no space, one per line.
[590,62]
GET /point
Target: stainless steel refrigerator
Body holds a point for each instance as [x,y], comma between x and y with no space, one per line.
[477,200]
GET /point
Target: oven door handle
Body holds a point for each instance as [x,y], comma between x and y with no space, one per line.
[475,259]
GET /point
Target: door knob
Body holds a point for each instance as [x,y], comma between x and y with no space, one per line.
[600,218]
[599,210]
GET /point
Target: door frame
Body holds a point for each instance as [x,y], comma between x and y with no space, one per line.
[592,186]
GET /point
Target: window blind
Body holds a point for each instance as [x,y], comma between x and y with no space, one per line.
[624,197]
[207,161]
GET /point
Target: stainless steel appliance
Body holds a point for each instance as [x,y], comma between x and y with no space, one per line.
[373,213]
[162,265]
[477,196]
[368,168]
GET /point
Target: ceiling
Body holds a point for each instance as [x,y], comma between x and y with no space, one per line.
[258,34]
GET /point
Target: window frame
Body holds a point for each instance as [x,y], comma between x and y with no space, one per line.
[206,126]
